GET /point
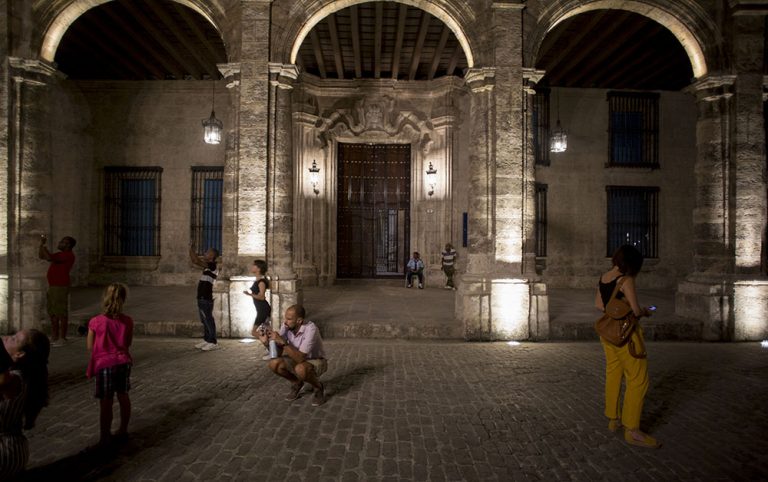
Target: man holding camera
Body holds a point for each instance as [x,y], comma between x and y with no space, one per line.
[303,357]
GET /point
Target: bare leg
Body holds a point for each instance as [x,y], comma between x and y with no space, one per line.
[54,327]
[64,320]
[105,419]
[125,412]
[278,367]
[306,373]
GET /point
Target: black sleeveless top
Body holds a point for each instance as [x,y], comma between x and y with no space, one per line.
[606,289]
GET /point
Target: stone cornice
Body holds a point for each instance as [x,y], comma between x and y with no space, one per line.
[712,86]
[34,70]
[480,78]
[507,6]
[345,87]
[283,75]
[531,77]
[748,7]
[231,73]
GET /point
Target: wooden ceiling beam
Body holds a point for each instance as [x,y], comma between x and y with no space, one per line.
[318,53]
[90,31]
[205,64]
[457,51]
[422,34]
[162,40]
[331,19]
[574,43]
[636,55]
[168,63]
[607,48]
[355,27]
[401,15]
[438,52]
[75,46]
[377,40]
[187,16]
[583,54]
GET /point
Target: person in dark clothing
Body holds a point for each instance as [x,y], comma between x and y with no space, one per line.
[205,296]
[259,294]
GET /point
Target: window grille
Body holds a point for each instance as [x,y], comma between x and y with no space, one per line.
[541,219]
[633,218]
[132,211]
[206,224]
[633,129]
[540,125]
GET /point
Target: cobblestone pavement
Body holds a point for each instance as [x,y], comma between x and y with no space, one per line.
[402,410]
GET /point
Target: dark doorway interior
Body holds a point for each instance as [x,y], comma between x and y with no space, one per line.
[374,197]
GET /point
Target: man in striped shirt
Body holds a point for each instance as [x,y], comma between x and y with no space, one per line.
[205,296]
[447,264]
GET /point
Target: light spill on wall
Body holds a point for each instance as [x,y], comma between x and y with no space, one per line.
[750,301]
[510,303]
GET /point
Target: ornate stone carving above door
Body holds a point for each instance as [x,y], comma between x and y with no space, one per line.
[376,119]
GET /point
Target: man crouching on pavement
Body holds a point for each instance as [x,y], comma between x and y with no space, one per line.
[303,357]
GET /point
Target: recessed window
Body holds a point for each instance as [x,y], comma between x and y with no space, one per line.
[541,220]
[207,194]
[633,129]
[540,121]
[132,211]
[633,218]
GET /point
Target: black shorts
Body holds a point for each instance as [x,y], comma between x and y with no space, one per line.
[111,380]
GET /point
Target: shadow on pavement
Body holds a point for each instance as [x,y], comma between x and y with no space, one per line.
[98,463]
[343,382]
[671,389]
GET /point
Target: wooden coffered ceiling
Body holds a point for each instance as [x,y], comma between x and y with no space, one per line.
[162,39]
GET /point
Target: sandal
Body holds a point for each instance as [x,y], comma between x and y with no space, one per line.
[614,424]
[647,441]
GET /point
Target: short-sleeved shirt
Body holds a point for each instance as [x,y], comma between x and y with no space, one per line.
[307,340]
[61,265]
[449,257]
[415,264]
[110,342]
[205,285]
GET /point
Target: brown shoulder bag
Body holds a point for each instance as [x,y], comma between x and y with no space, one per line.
[618,322]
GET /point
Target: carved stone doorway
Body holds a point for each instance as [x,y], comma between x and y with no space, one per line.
[373,219]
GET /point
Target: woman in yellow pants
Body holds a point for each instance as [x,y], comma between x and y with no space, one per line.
[624,362]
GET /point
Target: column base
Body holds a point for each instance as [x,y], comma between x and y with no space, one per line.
[730,309]
[502,308]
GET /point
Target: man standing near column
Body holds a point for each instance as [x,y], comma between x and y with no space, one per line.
[58,286]
[447,261]
[205,296]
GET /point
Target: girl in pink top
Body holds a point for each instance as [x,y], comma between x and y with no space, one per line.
[109,336]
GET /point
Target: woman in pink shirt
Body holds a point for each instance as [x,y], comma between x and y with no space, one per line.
[109,336]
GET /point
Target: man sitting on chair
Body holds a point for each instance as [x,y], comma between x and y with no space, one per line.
[415,267]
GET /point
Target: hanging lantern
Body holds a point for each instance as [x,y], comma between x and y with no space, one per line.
[558,141]
[314,177]
[212,126]
[431,179]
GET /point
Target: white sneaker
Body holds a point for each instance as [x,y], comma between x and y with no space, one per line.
[421,286]
[266,357]
[211,347]
[59,342]
[200,345]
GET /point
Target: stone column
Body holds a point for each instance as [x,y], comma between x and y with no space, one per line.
[285,286]
[539,318]
[29,200]
[474,297]
[726,290]
[228,288]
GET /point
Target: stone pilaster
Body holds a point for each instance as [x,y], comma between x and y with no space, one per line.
[29,187]
[253,120]
[539,311]
[727,289]
[286,287]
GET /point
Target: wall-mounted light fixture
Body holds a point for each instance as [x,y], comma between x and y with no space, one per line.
[558,141]
[314,177]
[431,179]
[212,126]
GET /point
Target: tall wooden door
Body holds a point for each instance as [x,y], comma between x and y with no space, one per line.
[374,196]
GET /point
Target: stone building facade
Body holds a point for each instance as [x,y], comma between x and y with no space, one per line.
[476,131]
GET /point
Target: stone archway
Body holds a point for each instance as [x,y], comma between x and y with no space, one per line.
[692,27]
[59,20]
[456,14]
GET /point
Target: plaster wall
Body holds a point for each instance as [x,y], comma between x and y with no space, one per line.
[154,123]
[576,198]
